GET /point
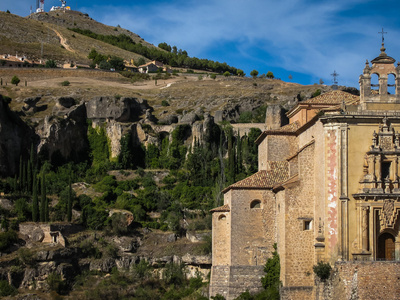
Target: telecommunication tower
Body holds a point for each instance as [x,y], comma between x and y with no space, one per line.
[41,7]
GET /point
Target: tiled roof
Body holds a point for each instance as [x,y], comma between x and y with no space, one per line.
[223,208]
[288,128]
[276,173]
[333,97]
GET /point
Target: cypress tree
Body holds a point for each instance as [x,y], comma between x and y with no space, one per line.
[29,176]
[35,201]
[20,174]
[69,204]
[43,199]
[239,160]
[24,177]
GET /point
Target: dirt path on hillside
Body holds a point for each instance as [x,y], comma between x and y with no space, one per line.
[90,82]
[63,41]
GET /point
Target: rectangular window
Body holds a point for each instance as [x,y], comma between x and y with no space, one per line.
[385,170]
[307,225]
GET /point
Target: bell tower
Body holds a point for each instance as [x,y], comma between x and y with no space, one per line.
[383,66]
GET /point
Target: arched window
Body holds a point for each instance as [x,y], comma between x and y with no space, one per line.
[255,204]
[221,218]
[375,83]
[391,84]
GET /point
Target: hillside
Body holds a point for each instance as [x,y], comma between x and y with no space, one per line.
[26,35]
[126,170]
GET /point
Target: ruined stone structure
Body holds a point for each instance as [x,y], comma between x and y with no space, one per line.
[327,189]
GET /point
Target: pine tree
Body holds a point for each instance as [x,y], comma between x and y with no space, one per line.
[35,201]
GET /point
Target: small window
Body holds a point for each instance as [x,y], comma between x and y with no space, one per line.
[307,225]
[255,204]
[221,218]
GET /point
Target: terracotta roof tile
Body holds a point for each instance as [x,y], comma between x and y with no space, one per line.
[288,128]
[333,97]
[223,208]
[277,172]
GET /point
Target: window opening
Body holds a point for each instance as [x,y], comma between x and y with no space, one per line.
[375,83]
[255,204]
[391,84]
[307,225]
[385,170]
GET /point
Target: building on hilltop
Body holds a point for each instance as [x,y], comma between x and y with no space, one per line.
[327,189]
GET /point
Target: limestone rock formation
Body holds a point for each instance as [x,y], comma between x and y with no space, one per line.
[64,138]
[15,138]
[121,110]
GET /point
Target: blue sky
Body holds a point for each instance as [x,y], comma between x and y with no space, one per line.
[307,39]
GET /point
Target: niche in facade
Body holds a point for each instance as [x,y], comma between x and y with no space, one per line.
[255,204]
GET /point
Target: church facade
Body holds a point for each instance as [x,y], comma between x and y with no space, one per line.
[327,189]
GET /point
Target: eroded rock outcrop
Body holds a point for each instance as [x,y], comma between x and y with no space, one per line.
[121,110]
[15,139]
[64,137]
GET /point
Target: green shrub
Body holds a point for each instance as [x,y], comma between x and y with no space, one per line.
[218,297]
[15,80]
[322,270]
[6,289]
[65,83]
[245,117]
[7,239]
[174,274]
[26,256]
[271,281]
[164,103]
[51,64]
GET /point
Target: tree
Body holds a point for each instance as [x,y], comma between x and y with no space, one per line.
[240,73]
[35,201]
[43,200]
[290,77]
[270,75]
[69,204]
[271,281]
[117,63]
[51,64]
[321,81]
[227,74]
[15,80]
[165,46]
[254,73]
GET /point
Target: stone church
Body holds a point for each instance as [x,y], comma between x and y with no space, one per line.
[327,189]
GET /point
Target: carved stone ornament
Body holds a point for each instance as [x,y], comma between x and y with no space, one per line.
[388,214]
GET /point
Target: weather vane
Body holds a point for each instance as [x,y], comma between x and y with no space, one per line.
[383,33]
[335,75]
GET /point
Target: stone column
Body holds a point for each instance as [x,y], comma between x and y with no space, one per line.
[383,85]
[397,250]
[365,229]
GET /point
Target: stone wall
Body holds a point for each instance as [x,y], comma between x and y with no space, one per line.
[230,282]
[250,245]
[298,242]
[365,280]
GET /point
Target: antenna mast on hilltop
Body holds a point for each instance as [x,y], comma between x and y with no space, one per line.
[41,7]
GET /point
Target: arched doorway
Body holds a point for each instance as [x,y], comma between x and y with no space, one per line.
[386,246]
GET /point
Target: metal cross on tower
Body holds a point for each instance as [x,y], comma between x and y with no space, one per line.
[383,33]
[335,75]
